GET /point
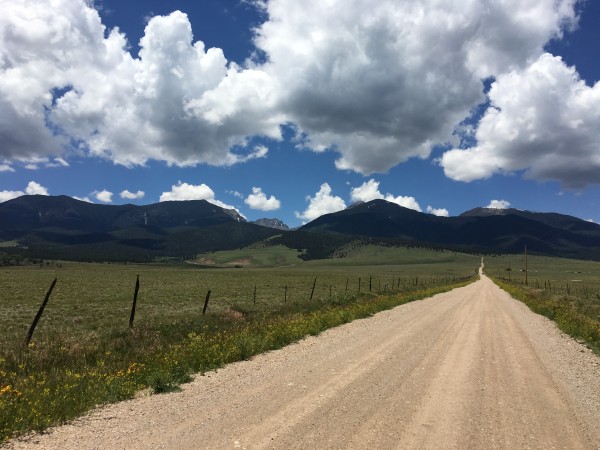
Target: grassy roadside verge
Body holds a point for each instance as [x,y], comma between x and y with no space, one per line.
[41,387]
[559,308]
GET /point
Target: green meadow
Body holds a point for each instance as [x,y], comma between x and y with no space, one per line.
[83,352]
[561,275]
[566,291]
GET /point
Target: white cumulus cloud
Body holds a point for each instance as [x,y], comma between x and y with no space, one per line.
[64,76]
[499,204]
[376,82]
[9,195]
[543,119]
[380,82]
[104,196]
[406,201]
[366,192]
[186,191]
[369,190]
[132,195]
[440,212]
[322,203]
[259,200]
[32,188]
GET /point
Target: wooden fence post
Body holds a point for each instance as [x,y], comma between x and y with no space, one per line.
[285,294]
[39,313]
[313,289]
[254,295]
[206,302]
[135,295]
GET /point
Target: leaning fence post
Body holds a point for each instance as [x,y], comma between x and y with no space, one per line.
[206,302]
[39,313]
[135,295]
[313,289]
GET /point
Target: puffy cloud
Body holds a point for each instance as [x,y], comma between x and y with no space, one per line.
[258,200]
[322,203]
[378,82]
[366,192]
[6,168]
[406,201]
[440,212]
[104,196]
[499,204]
[32,188]
[9,195]
[64,77]
[369,190]
[185,191]
[132,195]
[43,45]
[543,119]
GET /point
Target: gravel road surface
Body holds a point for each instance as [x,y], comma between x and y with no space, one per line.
[471,368]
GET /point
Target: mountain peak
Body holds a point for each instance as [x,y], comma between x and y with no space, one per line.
[272,223]
[484,212]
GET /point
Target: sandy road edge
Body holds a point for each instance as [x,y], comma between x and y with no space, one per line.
[570,362]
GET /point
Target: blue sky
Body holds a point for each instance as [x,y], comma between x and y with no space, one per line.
[294,109]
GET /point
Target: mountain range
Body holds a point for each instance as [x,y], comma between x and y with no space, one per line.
[64,228]
[480,229]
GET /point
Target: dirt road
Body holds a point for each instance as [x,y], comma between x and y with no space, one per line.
[471,368]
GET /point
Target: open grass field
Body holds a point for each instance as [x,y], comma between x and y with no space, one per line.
[564,290]
[91,300]
[83,352]
[569,276]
